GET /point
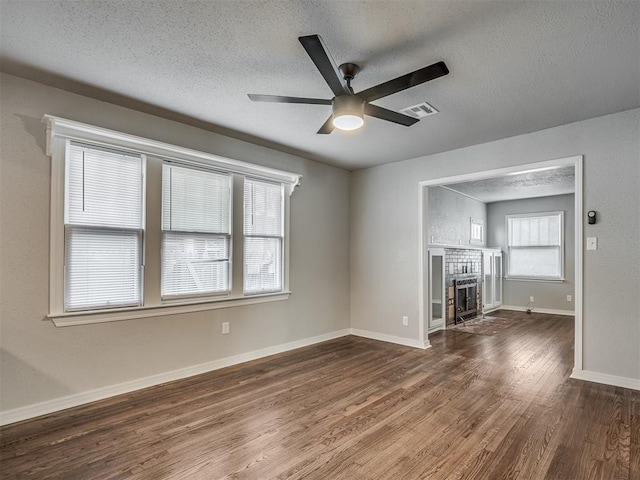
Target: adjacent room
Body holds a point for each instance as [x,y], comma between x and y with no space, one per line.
[500,242]
[319,239]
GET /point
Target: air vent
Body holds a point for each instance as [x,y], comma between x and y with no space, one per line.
[419,111]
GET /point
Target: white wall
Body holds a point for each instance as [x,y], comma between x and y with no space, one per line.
[384,232]
[42,363]
[449,217]
[547,295]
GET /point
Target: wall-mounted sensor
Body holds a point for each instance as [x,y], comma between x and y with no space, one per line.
[591,215]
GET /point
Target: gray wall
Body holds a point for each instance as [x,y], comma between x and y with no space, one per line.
[449,217]
[384,232]
[375,281]
[551,295]
[41,362]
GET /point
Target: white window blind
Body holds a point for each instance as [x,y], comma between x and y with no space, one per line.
[103,228]
[264,236]
[535,245]
[103,268]
[196,231]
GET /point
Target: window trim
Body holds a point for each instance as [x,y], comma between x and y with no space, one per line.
[559,279]
[60,132]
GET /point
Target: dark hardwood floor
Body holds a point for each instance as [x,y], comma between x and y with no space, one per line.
[471,407]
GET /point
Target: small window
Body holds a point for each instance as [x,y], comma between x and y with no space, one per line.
[263,236]
[535,246]
[476,236]
[196,231]
[103,225]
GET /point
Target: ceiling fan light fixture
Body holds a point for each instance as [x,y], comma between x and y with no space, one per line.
[348,122]
[348,112]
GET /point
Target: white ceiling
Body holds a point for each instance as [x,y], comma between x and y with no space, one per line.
[531,184]
[516,66]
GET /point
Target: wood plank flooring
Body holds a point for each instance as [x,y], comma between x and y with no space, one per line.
[471,407]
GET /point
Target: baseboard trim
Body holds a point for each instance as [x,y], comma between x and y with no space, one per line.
[407,342]
[550,311]
[606,379]
[55,405]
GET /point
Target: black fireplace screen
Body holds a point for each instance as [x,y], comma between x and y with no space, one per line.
[466,298]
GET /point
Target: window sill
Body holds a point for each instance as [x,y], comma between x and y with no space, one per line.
[528,279]
[114,315]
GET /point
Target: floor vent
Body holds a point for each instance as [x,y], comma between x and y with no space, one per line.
[420,110]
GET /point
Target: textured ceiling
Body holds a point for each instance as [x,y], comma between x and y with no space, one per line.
[540,183]
[516,66]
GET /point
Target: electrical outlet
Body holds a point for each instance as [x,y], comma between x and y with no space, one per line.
[569,298]
[225,328]
[405,321]
[531,299]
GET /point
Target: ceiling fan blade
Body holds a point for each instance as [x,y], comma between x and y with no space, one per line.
[405,81]
[281,99]
[389,115]
[315,47]
[327,127]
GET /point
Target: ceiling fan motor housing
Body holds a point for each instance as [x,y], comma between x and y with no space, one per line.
[348,105]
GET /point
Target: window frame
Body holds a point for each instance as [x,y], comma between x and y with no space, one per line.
[61,132]
[561,248]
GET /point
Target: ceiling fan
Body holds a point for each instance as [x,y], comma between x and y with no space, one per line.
[348,106]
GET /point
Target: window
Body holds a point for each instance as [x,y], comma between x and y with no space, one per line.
[196,231]
[535,246]
[103,225]
[263,236]
[476,236]
[141,228]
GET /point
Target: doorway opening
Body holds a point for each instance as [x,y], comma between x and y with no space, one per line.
[445,257]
